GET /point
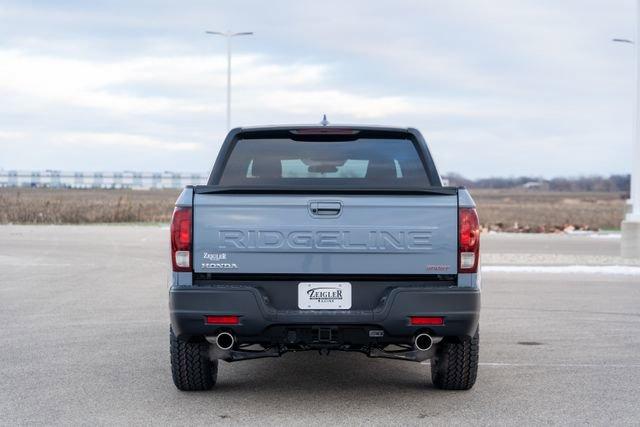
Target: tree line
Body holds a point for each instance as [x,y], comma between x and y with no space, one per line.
[582,183]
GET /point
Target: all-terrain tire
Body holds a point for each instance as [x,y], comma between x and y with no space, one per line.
[455,366]
[191,368]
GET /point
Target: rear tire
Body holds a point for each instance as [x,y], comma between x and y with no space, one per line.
[191,368]
[455,366]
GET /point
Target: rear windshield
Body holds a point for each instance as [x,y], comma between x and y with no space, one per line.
[361,163]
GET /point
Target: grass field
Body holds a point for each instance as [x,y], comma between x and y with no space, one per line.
[75,206]
[503,210]
[546,211]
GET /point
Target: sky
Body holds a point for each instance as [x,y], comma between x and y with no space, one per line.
[499,88]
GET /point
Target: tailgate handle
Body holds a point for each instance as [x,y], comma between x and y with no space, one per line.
[325,208]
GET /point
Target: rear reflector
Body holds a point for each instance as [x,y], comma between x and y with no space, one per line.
[422,320]
[222,320]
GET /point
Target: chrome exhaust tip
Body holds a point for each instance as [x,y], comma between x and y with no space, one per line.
[423,342]
[225,341]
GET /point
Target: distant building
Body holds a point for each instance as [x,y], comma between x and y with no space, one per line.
[536,185]
[125,179]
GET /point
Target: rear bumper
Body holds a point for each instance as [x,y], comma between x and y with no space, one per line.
[189,305]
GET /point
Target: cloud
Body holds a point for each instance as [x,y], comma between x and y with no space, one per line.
[180,85]
[119,86]
[122,140]
[334,101]
[498,87]
[8,135]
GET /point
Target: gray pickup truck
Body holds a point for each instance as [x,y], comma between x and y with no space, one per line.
[324,238]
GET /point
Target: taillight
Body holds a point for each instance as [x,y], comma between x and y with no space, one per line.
[181,239]
[469,240]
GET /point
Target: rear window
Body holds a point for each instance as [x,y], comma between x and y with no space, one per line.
[361,163]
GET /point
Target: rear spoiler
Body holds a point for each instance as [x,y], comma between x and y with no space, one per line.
[432,191]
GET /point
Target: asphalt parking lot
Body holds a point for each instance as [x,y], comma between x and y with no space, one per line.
[85,340]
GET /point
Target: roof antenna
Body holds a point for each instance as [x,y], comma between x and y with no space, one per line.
[324,121]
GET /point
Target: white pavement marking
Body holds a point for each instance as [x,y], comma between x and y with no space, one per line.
[606,236]
[561,365]
[565,269]
[44,264]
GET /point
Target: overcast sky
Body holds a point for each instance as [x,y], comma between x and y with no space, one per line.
[501,87]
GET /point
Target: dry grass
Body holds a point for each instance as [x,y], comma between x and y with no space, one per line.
[75,206]
[498,209]
[535,211]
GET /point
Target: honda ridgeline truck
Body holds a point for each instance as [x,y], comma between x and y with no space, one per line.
[324,238]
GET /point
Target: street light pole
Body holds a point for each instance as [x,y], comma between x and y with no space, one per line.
[630,227]
[228,35]
[635,171]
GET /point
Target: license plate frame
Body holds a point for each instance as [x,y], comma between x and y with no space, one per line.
[324,295]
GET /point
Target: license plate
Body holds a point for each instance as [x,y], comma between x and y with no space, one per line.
[324,295]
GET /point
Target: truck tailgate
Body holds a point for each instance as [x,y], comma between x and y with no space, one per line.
[306,234]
